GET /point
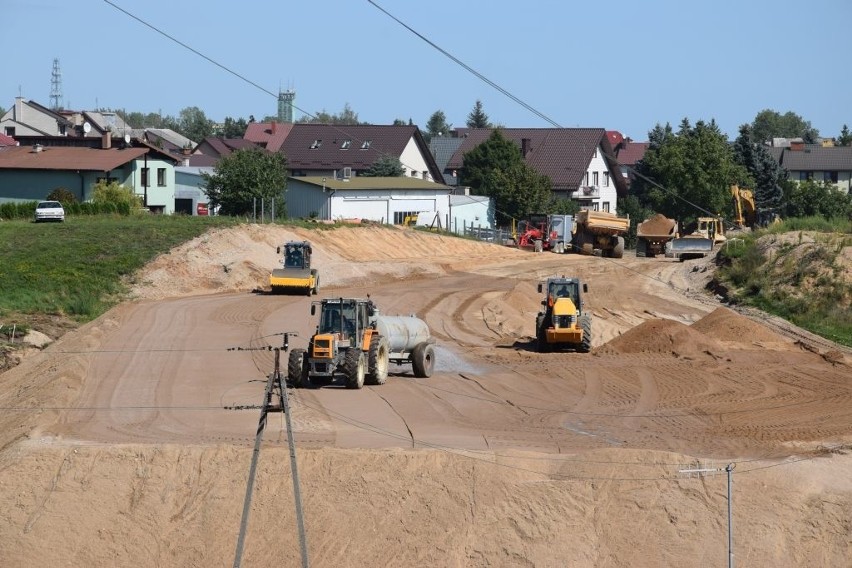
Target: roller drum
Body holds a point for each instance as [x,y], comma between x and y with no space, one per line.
[403,332]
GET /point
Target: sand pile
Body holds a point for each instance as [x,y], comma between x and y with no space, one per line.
[726,325]
[513,314]
[661,336]
[658,225]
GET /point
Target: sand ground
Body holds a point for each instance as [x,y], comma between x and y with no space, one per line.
[119,446]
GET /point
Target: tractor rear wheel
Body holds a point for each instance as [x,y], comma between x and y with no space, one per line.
[297,369]
[586,342]
[355,368]
[378,360]
[423,360]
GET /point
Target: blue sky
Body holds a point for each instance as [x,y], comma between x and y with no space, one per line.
[621,65]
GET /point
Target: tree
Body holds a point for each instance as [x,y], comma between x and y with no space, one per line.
[816,198]
[247,174]
[518,190]
[346,116]
[477,117]
[194,124]
[769,124]
[385,166]
[764,171]
[495,152]
[233,128]
[437,125]
[692,170]
[845,138]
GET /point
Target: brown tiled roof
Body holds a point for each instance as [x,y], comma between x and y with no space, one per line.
[631,152]
[817,158]
[367,143]
[269,134]
[67,158]
[562,154]
[220,147]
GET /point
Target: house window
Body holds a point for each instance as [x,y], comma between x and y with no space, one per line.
[317,143]
[161,176]
[595,206]
[595,154]
[606,179]
[830,176]
[345,145]
[425,174]
[606,206]
[10,131]
[399,217]
[145,177]
[414,173]
[365,145]
[586,178]
[595,179]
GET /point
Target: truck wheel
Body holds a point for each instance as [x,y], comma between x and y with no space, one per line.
[423,360]
[297,369]
[586,342]
[378,360]
[355,368]
[618,249]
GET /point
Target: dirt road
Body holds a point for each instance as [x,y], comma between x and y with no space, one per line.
[549,437]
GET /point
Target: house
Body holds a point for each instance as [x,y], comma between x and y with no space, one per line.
[41,164]
[628,154]
[269,135]
[802,162]
[212,149]
[387,200]
[190,198]
[28,118]
[580,162]
[443,148]
[320,150]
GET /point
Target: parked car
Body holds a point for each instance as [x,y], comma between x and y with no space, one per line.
[49,211]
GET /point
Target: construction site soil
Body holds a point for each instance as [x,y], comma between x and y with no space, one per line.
[118,448]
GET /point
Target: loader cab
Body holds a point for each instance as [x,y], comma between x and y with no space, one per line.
[564,288]
[347,317]
[296,255]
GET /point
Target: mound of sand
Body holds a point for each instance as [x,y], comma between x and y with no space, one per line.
[513,314]
[726,325]
[661,336]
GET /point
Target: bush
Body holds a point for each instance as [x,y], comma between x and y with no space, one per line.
[114,193]
[62,195]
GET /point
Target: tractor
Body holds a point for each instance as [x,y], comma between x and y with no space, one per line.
[354,341]
[563,321]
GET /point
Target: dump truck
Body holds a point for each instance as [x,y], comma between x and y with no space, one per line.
[653,233]
[708,232]
[600,233]
[355,342]
[563,321]
[295,274]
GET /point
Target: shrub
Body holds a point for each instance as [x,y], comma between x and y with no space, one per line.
[62,195]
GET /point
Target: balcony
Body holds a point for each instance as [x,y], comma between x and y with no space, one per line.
[586,192]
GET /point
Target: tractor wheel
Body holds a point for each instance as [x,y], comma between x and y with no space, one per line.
[378,361]
[586,342]
[618,249]
[542,346]
[423,360]
[355,368]
[297,369]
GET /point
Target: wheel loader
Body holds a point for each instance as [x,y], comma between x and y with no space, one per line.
[563,322]
[353,341]
[295,274]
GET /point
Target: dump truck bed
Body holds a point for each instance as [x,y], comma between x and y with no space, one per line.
[602,222]
[657,227]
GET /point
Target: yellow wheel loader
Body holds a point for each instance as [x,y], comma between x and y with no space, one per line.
[295,274]
[563,321]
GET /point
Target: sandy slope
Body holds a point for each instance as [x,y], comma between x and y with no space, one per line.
[116,449]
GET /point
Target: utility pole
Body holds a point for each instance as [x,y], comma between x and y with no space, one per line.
[701,472]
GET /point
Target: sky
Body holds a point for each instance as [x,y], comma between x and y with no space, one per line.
[620,65]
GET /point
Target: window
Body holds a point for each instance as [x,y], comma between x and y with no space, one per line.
[161,176]
[606,206]
[346,144]
[317,143]
[595,154]
[365,145]
[414,173]
[830,176]
[595,179]
[400,217]
[10,131]
[425,174]
[606,179]
[145,177]
[586,179]
[595,206]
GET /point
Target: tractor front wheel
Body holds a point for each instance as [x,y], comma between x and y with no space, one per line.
[355,368]
[297,369]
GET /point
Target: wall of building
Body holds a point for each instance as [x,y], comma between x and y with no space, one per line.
[607,194]
[160,197]
[413,162]
[189,186]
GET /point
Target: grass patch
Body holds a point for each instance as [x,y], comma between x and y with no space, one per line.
[77,268]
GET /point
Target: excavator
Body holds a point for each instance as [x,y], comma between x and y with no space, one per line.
[745,213]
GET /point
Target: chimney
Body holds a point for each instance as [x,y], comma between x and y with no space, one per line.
[525,146]
[106,140]
[797,145]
